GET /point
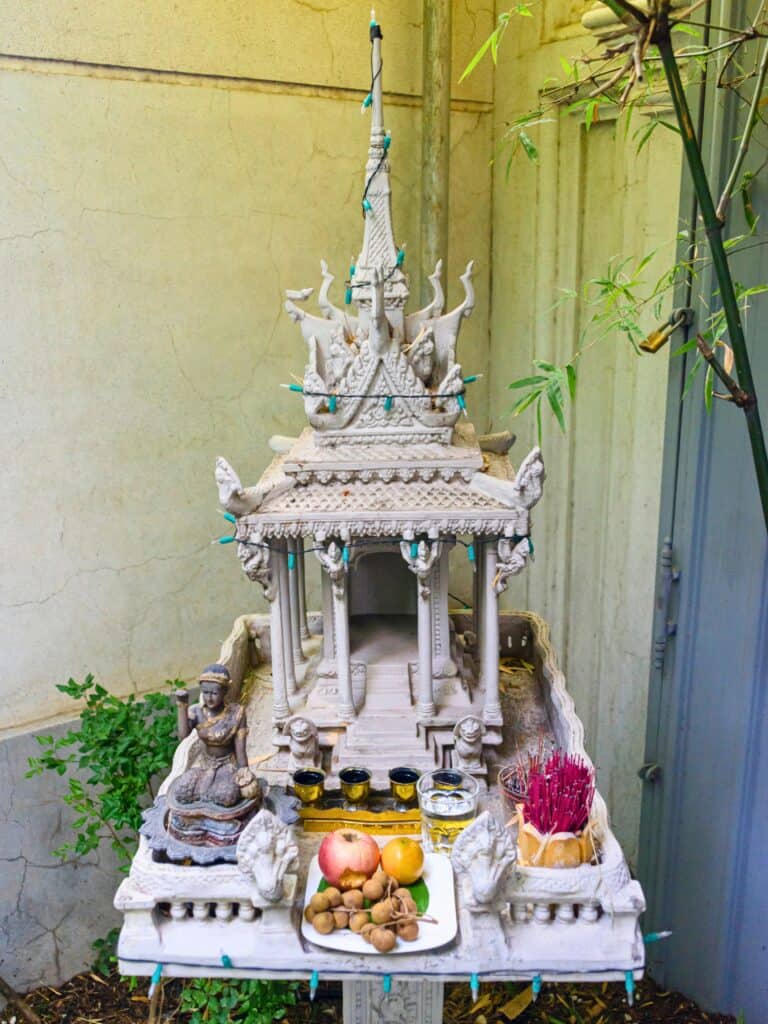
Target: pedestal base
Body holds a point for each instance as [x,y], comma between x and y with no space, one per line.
[407,1002]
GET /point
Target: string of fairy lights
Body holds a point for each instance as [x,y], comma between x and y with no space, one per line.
[470,546]
[388,398]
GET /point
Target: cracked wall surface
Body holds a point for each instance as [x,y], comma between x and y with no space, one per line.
[50,911]
[166,172]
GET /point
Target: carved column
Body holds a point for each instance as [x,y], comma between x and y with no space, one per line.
[293,590]
[300,567]
[488,637]
[285,615]
[260,566]
[327,666]
[501,560]
[478,590]
[420,558]
[442,664]
[331,557]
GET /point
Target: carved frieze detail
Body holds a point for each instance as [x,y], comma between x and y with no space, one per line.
[331,558]
[420,558]
[512,559]
[257,561]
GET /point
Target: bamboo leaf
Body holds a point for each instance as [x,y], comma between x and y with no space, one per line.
[522,404]
[490,41]
[746,200]
[555,402]
[728,356]
[646,134]
[528,145]
[691,374]
[591,113]
[687,347]
[570,370]
[512,1009]
[538,421]
[527,382]
[688,30]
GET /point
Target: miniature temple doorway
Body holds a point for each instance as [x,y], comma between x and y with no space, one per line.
[382,622]
[381,584]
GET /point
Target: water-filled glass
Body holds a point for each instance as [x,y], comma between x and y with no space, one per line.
[448,803]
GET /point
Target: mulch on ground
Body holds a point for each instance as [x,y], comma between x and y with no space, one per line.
[90,998]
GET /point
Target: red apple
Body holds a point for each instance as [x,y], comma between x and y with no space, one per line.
[348,858]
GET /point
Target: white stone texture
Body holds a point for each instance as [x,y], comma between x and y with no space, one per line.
[557,923]
[482,855]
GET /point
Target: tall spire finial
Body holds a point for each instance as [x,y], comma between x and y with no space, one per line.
[379,250]
[377,100]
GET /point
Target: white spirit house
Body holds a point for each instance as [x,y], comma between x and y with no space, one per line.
[386,480]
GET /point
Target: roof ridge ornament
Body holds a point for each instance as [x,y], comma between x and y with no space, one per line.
[351,357]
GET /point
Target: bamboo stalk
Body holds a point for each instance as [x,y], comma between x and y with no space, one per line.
[713,227]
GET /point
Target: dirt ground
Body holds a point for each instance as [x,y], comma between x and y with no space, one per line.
[90,998]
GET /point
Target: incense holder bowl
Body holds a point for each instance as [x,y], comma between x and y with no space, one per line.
[552,849]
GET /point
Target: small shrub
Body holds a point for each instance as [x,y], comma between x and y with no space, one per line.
[120,747]
[106,952]
[221,1001]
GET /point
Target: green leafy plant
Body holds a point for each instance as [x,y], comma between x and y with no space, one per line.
[105,950]
[654,45]
[112,758]
[225,1001]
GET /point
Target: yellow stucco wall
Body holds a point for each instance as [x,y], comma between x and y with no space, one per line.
[166,171]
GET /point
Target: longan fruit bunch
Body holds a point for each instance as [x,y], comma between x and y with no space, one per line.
[392,914]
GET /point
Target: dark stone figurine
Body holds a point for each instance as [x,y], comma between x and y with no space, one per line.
[211,803]
[221,775]
[202,816]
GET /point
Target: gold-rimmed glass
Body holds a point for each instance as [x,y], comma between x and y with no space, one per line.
[402,784]
[356,787]
[308,785]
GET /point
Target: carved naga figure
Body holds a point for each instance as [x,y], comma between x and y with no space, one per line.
[481,855]
[266,851]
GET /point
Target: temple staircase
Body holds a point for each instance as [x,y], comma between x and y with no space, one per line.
[385,733]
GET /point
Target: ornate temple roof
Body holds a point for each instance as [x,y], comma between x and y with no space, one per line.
[387,449]
[381,374]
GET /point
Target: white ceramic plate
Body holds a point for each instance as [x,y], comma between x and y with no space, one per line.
[438,877]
